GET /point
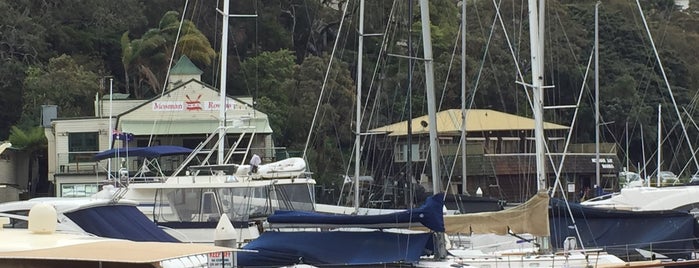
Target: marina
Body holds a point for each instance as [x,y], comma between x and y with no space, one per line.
[325,164]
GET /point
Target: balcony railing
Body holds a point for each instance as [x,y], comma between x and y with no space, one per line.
[76,163]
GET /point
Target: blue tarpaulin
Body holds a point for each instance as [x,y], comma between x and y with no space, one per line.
[276,249]
[371,247]
[429,215]
[147,152]
[119,221]
[671,233]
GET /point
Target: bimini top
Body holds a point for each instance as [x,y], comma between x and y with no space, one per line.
[147,152]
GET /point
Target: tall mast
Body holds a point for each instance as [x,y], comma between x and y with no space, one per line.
[660,146]
[224,65]
[431,103]
[535,41]
[357,135]
[597,115]
[222,87]
[463,99]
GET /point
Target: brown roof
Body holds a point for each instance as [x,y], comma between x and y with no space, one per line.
[477,120]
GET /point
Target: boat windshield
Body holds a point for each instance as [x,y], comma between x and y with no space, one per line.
[238,203]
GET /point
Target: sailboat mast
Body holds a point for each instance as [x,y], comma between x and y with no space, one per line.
[463,98]
[357,135]
[660,146]
[535,41]
[431,100]
[222,87]
[597,115]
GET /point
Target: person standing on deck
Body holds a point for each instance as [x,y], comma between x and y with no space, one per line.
[254,162]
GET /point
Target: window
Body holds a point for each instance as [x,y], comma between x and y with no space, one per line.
[78,189]
[82,145]
[400,153]
[423,151]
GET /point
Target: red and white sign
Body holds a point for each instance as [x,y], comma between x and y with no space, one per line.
[220,259]
[194,104]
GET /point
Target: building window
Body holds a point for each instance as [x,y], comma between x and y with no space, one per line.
[400,153]
[82,146]
[78,189]
[423,151]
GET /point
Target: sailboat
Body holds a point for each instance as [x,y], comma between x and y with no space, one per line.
[317,237]
[532,217]
[189,202]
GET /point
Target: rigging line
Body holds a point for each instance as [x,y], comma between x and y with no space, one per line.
[667,83]
[518,69]
[570,132]
[167,74]
[380,62]
[216,63]
[325,80]
[174,48]
[498,17]
[441,101]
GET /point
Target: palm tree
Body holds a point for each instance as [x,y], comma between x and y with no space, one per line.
[151,53]
[32,141]
[129,51]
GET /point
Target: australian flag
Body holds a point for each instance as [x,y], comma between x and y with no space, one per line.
[122,136]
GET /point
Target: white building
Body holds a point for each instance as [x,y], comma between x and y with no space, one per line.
[14,173]
[184,115]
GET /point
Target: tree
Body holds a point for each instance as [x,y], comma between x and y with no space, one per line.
[269,73]
[331,137]
[63,82]
[33,142]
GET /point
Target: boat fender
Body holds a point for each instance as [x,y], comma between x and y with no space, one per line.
[43,219]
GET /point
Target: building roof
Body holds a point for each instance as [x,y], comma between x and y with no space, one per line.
[477,120]
[185,66]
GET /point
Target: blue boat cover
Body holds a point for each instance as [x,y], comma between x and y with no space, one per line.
[119,221]
[671,233]
[147,152]
[276,249]
[429,215]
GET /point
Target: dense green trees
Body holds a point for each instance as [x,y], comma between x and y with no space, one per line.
[58,52]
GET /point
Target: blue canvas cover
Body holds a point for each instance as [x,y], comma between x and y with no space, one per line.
[429,215]
[119,221]
[671,233]
[147,152]
[276,249]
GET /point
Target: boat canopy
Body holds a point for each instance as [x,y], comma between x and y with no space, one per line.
[147,152]
[120,222]
[429,215]
[530,217]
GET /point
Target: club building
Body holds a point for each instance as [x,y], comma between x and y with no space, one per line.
[184,115]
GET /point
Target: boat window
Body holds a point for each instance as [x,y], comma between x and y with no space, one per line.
[15,222]
[243,203]
[294,197]
[209,207]
[181,205]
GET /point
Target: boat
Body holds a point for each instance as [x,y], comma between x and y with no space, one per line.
[640,196]
[189,202]
[350,240]
[94,216]
[42,245]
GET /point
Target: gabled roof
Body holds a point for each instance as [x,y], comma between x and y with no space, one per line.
[185,66]
[477,120]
